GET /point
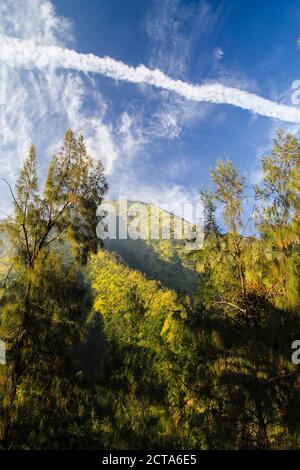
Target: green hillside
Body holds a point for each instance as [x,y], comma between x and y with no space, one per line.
[165,260]
[102,352]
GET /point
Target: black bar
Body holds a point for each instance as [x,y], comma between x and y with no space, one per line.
[138,459]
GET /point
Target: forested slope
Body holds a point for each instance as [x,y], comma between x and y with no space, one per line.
[100,356]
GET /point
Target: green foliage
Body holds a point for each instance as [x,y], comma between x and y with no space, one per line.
[165,260]
[223,365]
[104,354]
[44,299]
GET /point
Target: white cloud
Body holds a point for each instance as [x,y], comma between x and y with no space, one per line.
[30,55]
[165,124]
[34,19]
[171,49]
[256,176]
[130,137]
[46,92]
[169,42]
[175,28]
[39,105]
[219,53]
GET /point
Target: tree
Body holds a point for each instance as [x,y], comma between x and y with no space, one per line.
[44,300]
[249,290]
[279,223]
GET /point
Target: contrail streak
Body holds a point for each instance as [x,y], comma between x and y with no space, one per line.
[29,55]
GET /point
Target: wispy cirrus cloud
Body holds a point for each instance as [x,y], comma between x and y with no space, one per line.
[47,91]
[30,55]
[174,30]
[40,104]
[37,106]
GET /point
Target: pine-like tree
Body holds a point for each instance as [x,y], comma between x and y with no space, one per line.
[44,300]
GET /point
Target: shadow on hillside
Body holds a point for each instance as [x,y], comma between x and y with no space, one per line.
[140,256]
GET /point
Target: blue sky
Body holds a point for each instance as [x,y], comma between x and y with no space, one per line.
[155,144]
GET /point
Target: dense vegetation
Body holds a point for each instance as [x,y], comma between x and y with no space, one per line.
[100,356]
[165,259]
